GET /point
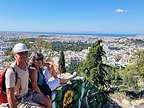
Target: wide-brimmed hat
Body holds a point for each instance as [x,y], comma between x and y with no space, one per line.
[19,47]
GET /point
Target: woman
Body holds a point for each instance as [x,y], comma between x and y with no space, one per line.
[51,72]
[37,81]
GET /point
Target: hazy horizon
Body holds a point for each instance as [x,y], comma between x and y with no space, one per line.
[73,33]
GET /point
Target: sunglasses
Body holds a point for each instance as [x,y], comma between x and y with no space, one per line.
[39,59]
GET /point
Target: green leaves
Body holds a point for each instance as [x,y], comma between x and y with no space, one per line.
[133,73]
[73,46]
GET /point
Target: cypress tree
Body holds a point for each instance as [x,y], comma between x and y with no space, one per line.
[93,67]
[62,62]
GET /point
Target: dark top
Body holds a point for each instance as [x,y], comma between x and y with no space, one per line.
[43,86]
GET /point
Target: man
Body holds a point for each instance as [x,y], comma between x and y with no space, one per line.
[16,79]
[20,52]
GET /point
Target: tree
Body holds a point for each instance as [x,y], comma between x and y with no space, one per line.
[62,62]
[93,67]
[133,73]
[8,53]
[26,41]
[72,67]
[73,46]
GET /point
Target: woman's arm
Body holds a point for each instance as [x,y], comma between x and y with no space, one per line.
[33,77]
[53,71]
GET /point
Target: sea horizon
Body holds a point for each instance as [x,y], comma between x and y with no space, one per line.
[102,34]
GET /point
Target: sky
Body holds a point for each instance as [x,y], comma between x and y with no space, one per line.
[88,16]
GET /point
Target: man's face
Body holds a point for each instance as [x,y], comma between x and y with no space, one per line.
[22,57]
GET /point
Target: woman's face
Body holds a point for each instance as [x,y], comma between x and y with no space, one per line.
[39,62]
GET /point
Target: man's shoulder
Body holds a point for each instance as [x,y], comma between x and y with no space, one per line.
[9,70]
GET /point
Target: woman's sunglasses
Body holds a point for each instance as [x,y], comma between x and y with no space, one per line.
[39,59]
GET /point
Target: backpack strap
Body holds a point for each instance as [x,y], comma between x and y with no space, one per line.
[16,74]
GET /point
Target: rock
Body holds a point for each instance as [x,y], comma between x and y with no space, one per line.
[125,103]
[137,102]
[140,106]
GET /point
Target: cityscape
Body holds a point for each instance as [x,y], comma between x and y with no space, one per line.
[118,49]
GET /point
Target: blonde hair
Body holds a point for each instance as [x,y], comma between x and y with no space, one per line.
[53,67]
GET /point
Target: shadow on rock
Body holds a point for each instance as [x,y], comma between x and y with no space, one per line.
[111,104]
[134,94]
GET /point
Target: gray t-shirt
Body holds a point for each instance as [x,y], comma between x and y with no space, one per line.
[22,78]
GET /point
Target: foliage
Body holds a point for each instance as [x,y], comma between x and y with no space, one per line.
[86,95]
[8,51]
[92,96]
[93,68]
[62,62]
[73,66]
[33,45]
[26,41]
[38,45]
[73,46]
[9,55]
[138,41]
[133,73]
[113,77]
[42,44]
